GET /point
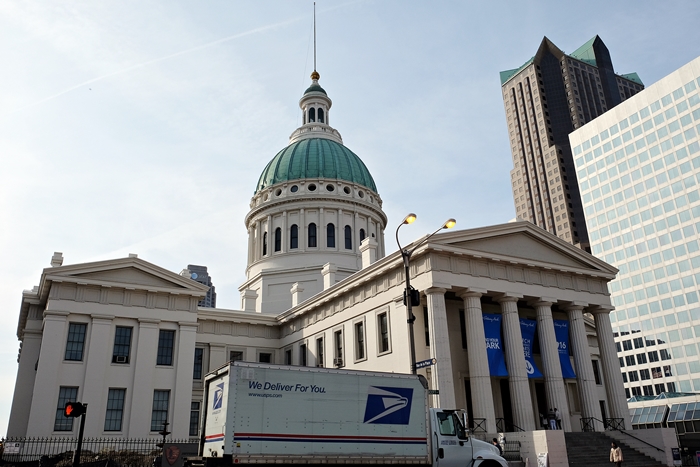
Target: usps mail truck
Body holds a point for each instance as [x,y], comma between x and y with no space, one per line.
[279,414]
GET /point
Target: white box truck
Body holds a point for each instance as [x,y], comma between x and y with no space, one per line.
[259,413]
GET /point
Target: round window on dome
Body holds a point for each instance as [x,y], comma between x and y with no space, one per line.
[278,192]
[294,189]
[346,190]
[330,188]
[312,187]
[371,199]
[361,194]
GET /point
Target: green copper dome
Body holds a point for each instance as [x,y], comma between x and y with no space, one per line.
[315,88]
[315,158]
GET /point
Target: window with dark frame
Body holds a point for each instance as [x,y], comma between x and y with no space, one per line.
[278,239]
[235,356]
[319,352]
[115,409]
[338,341]
[166,343]
[122,345]
[359,340]
[264,245]
[159,412]
[330,236]
[362,234]
[463,328]
[348,238]
[265,357]
[302,355]
[198,363]
[288,357]
[596,372]
[312,235]
[383,321]
[76,342]
[426,325]
[61,422]
[294,237]
[194,419]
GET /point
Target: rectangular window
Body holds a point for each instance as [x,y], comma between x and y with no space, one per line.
[359,340]
[166,343]
[633,376]
[194,419]
[427,326]
[644,374]
[302,355]
[288,357]
[122,345]
[338,347]
[653,356]
[629,360]
[641,358]
[265,357]
[319,352]
[235,356]
[115,409]
[65,394]
[627,345]
[159,413]
[638,343]
[383,328]
[76,341]
[664,354]
[596,371]
[198,363]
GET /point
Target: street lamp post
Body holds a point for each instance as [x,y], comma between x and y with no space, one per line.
[408,295]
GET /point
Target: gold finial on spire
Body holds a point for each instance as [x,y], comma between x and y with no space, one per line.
[315,75]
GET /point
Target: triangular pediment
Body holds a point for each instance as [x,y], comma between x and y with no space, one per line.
[128,273]
[523,242]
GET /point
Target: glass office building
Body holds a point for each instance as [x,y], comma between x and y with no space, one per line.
[638,168]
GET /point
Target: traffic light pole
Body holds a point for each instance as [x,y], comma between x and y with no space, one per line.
[76,455]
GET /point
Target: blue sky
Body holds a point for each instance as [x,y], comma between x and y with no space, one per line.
[142,126]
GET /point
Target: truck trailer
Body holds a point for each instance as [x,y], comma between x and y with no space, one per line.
[258,413]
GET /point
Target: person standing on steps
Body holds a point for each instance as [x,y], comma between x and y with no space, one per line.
[616,454]
[557,415]
[552,419]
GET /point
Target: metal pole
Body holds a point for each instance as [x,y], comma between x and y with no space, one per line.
[409,310]
[76,455]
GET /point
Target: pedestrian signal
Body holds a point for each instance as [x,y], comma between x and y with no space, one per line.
[73,409]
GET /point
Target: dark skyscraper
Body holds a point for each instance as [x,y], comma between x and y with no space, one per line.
[200,274]
[545,99]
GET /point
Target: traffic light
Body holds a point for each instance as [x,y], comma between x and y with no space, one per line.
[73,409]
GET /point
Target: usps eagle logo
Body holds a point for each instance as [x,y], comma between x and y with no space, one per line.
[218,396]
[388,406]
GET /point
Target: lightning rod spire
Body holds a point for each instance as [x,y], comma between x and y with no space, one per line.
[314,36]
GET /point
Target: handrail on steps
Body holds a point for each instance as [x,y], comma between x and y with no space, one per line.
[613,428]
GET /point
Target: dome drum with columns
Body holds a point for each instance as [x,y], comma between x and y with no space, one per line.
[314,205]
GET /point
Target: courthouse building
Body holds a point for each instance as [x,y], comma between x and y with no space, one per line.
[516,319]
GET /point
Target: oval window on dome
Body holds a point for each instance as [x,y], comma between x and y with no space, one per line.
[361,194]
[312,187]
[278,192]
[265,197]
[294,189]
[346,190]
[330,188]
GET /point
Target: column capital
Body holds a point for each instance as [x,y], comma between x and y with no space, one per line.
[541,302]
[435,290]
[600,309]
[508,297]
[575,306]
[472,292]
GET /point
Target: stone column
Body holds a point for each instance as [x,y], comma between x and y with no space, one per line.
[551,368]
[302,231]
[181,393]
[99,359]
[24,384]
[584,367]
[612,377]
[479,374]
[521,403]
[440,349]
[144,357]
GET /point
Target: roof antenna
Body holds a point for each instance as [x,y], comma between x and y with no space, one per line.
[314,36]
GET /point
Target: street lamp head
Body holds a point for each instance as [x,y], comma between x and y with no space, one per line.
[449,224]
[409,219]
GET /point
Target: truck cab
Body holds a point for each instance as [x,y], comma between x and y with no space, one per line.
[453,447]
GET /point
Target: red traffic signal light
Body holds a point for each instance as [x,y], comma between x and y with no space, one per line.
[73,409]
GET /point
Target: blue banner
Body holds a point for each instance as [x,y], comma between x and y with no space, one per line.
[561,331]
[494,349]
[527,329]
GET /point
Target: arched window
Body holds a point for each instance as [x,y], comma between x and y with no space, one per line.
[278,239]
[312,235]
[348,238]
[330,236]
[312,115]
[264,243]
[362,234]
[320,115]
[294,237]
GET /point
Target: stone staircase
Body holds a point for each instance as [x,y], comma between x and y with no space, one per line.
[593,449]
